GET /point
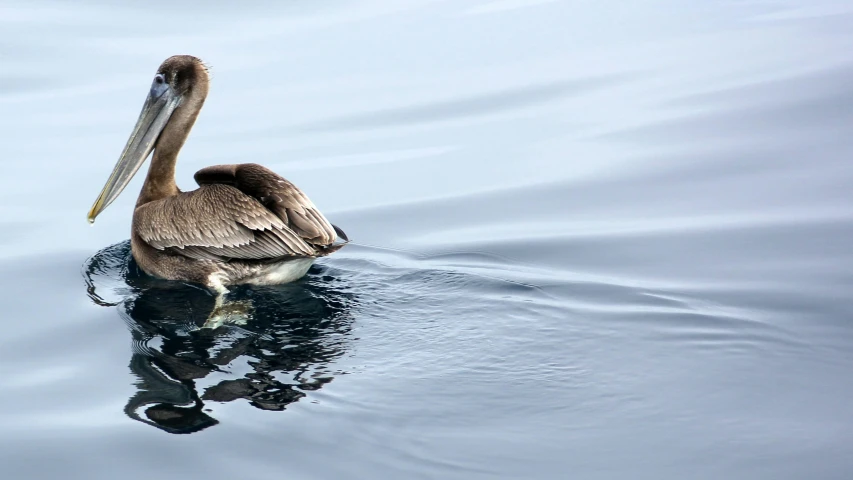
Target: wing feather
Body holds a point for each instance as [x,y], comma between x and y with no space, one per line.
[218,222]
[278,195]
[243,211]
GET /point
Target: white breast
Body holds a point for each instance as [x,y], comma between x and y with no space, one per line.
[284,272]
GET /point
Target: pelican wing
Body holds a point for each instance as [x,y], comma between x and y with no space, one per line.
[279,196]
[219,222]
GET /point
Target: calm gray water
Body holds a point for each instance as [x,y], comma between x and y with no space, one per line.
[595,239]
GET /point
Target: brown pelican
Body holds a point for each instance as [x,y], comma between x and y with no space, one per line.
[244,224]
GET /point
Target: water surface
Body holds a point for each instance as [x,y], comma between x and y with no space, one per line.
[592,240]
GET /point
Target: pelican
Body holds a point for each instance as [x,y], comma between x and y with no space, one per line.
[244,224]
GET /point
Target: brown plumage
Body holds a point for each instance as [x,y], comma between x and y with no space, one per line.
[244,224]
[239,212]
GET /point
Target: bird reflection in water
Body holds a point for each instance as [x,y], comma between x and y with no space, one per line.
[284,349]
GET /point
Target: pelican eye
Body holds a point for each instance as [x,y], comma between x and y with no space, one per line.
[159,78]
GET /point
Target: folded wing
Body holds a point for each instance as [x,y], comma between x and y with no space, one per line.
[238,212]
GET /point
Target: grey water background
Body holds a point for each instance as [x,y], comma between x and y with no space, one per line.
[596,239]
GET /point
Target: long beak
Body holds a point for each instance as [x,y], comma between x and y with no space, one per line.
[158,107]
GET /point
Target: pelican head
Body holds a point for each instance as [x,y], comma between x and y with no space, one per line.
[177,92]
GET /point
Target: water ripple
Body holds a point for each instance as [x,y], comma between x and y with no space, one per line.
[458,109]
